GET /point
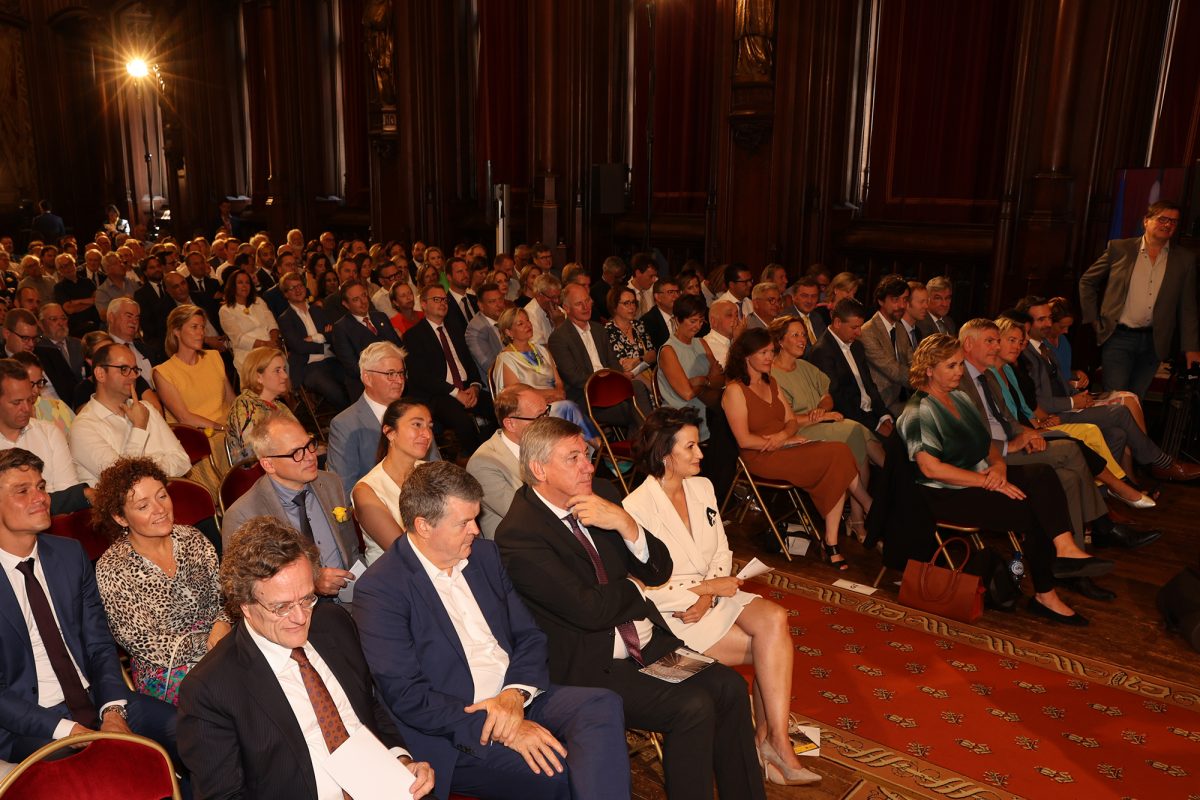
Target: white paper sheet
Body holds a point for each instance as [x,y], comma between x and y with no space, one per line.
[366,770]
[814,734]
[346,594]
[854,587]
[753,570]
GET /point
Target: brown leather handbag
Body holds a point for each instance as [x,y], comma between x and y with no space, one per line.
[946,592]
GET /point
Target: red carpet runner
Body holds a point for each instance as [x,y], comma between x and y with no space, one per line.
[950,710]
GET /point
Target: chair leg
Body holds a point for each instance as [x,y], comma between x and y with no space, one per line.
[767,513]
[879,578]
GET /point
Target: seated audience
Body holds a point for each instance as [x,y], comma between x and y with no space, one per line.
[386,275]
[660,321]
[461,306]
[121,282]
[612,275]
[545,308]
[115,423]
[568,548]
[306,331]
[158,580]
[264,383]
[765,429]
[626,334]
[407,432]
[310,500]
[124,324]
[45,407]
[842,357]
[843,286]
[723,325]
[766,300]
[806,390]
[245,318]
[483,334]
[492,724]
[940,291]
[496,464]
[60,354]
[35,278]
[86,387]
[77,296]
[359,326]
[153,300]
[888,350]
[702,602]
[19,430]
[525,361]
[966,482]
[688,374]
[739,280]
[61,674]
[264,709]
[442,374]
[915,312]
[403,307]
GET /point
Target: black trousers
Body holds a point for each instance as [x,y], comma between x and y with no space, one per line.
[451,413]
[1040,517]
[705,722]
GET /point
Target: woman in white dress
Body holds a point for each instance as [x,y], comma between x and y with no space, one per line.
[701,602]
[245,317]
[405,439]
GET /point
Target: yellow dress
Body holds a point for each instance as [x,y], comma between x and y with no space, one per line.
[202,389]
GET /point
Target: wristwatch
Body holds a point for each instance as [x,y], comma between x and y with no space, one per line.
[525,696]
[120,711]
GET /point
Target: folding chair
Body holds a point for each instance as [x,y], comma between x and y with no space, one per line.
[192,502]
[793,494]
[238,481]
[113,766]
[972,533]
[606,389]
[195,444]
[78,526]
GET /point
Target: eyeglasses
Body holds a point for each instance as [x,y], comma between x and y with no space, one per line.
[627,303]
[24,338]
[1167,220]
[41,384]
[297,455]
[545,413]
[391,374]
[125,369]
[281,610]
[740,280]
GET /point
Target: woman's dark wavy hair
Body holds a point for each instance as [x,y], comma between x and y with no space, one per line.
[689,305]
[230,288]
[747,342]
[656,436]
[391,415]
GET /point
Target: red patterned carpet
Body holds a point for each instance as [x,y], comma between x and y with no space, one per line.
[939,708]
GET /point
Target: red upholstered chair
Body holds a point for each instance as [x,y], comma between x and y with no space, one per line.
[195,443]
[238,481]
[114,766]
[78,526]
[192,501]
[604,389]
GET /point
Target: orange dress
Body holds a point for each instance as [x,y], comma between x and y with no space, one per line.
[823,469]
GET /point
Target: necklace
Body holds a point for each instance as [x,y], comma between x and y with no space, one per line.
[532,356]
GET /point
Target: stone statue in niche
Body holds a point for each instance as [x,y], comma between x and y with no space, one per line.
[381,44]
[754,38]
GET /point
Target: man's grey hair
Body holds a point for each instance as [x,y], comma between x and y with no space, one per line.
[46,309]
[538,441]
[375,352]
[939,283]
[545,282]
[430,486]
[760,290]
[117,304]
[259,436]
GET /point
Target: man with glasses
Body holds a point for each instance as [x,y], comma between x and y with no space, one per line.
[288,686]
[386,274]
[306,331]
[294,490]
[1136,295]
[497,462]
[738,283]
[360,326]
[60,354]
[660,320]
[545,309]
[115,423]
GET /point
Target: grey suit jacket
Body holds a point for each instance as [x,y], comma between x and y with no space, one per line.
[499,473]
[353,441]
[927,327]
[1174,308]
[889,374]
[483,340]
[262,500]
[1052,395]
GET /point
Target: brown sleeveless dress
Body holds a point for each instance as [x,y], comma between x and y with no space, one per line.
[823,469]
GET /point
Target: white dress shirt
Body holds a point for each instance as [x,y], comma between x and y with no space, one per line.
[589,344]
[745,306]
[542,326]
[719,344]
[864,401]
[645,297]
[486,659]
[48,443]
[382,301]
[287,672]
[463,304]
[100,436]
[310,328]
[641,551]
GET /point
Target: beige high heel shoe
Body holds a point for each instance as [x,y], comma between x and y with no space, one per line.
[781,774]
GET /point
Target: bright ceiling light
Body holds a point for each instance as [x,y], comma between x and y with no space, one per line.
[137,68]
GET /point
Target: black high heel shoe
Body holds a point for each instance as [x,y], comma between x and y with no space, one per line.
[832,550]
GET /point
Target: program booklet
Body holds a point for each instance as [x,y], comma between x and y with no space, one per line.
[678,665]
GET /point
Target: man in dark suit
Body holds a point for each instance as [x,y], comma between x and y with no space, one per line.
[275,697]
[461,307]
[937,318]
[59,671]
[204,290]
[581,347]
[473,695]
[153,299]
[806,296]
[359,326]
[1137,294]
[442,373]
[124,324]
[580,562]
[60,354]
[306,333]
[659,321]
[840,355]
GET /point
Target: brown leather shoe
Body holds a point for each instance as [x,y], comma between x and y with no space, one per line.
[1178,471]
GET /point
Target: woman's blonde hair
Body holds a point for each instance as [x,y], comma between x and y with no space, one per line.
[507,319]
[175,322]
[255,365]
[932,351]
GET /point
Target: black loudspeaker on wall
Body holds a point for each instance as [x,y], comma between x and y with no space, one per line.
[1179,604]
[608,188]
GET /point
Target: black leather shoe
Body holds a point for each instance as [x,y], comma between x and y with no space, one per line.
[1089,589]
[1089,567]
[1039,610]
[1125,536]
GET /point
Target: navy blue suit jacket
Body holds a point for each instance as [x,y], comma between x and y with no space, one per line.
[293,332]
[351,337]
[71,584]
[418,661]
